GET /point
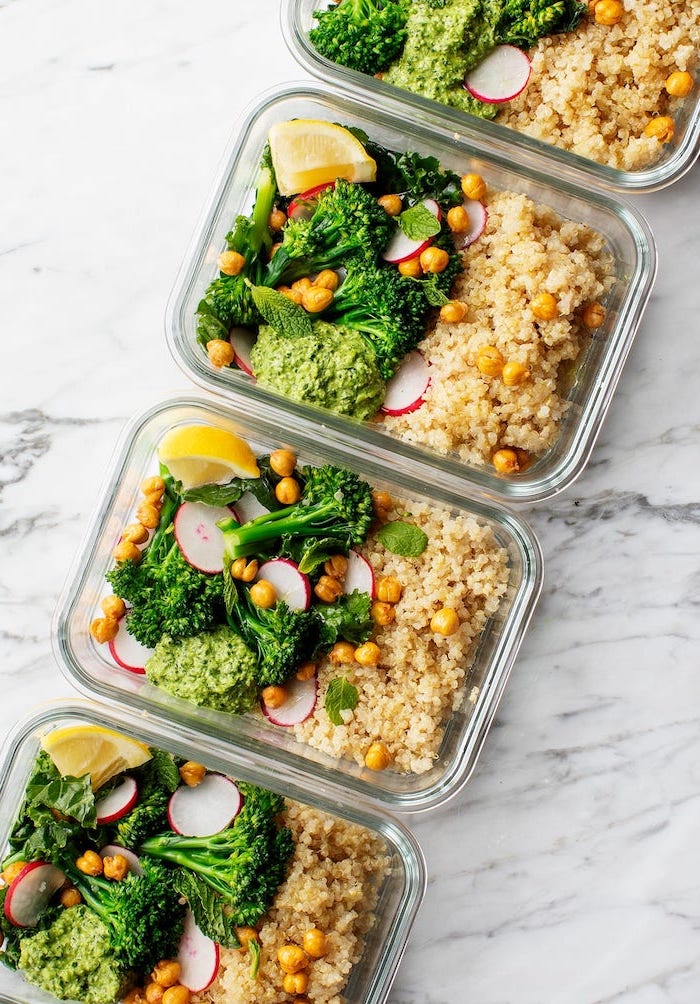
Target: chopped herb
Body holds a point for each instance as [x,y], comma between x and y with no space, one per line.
[340,696]
[405,539]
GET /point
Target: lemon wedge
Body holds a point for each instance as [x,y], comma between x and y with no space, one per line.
[78,750]
[206,455]
[310,152]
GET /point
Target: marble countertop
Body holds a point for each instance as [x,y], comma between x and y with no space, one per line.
[567,871]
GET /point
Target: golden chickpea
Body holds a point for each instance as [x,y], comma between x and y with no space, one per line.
[113,606]
[115,867]
[306,671]
[244,570]
[127,551]
[412,268]
[327,279]
[506,461]
[135,996]
[177,995]
[458,220]
[474,186]
[154,993]
[70,897]
[444,621]
[287,491]
[245,935]
[12,871]
[104,629]
[377,757]
[490,361]
[342,652]
[192,773]
[135,533]
[453,312]
[315,943]
[383,504]
[273,250]
[301,285]
[220,352]
[593,314]
[147,514]
[89,863]
[608,12]
[154,499]
[230,262]
[389,589]
[316,299]
[336,566]
[661,128]
[292,959]
[263,594]
[679,84]
[295,983]
[283,462]
[368,654]
[383,613]
[514,373]
[273,696]
[544,307]
[391,204]
[328,589]
[294,295]
[153,485]
[166,973]
[277,219]
[434,260]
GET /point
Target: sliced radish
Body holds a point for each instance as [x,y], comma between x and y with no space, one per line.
[500,77]
[476,211]
[30,891]
[248,507]
[109,851]
[303,206]
[360,575]
[127,652]
[198,956]
[198,536]
[242,341]
[300,703]
[405,390]
[402,248]
[205,809]
[291,585]
[120,800]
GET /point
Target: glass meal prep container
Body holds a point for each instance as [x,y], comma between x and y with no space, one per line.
[90,667]
[589,385]
[400,890]
[675,160]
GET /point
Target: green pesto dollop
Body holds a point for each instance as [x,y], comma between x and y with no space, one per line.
[73,960]
[334,368]
[215,669]
[442,45]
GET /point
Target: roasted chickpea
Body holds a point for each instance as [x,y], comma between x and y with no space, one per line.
[245,935]
[166,972]
[115,867]
[544,307]
[104,629]
[154,993]
[294,295]
[135,996]
[12,871]
[336,566]
[474,186]
[277,219]
[155,499]
[148,514]
[391,204]
[679,84]
[283,462]
[192,773]
[176,995]
[302,284]
[220,352]
[514,373]
[135,533]
[315,943]
[273,696]
[661,128]
[608,12]
[316,299]
[342,652]
[153,485]
[306,671]
[411,268]
[127,551]
[328,589]
[506,461]
[383,504]
[444,621]
[453,312]
[292,959]
[593,314]
[368,654]
[243,569]
[113,606]
[263,594]
[273,250]
[230,262]
[287,491]
[327,279]
[295,983]
[458,220]
[434,260]
[377,757]
[383,613]
[489,361]
[70,897]
[89,863]
[389,589]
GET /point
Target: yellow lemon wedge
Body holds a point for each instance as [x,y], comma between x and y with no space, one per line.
[310,152]
[78,750]
[206,455]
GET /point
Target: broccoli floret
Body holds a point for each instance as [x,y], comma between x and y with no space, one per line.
[522,22]
[245,863]
[364,35]
[156,780]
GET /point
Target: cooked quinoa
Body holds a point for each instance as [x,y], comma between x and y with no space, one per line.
[405,701]
[524,251]
[333,884]
[593,91]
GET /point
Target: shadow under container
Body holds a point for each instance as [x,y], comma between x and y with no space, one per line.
[677,157]
[90,668]
[598,368]
[401,890]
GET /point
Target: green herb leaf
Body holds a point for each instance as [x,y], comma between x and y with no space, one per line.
[405,539]
[286,317]
[340,696]
[208,908]
[348,618]
[432,292]
[418,223]
[209,326]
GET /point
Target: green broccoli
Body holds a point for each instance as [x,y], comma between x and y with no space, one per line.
[157,779]
[522,22]
[364,35]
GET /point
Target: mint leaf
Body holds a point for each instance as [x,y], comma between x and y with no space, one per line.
[281,313]
[340,696]
[418,223]
[405,539]
[432,292]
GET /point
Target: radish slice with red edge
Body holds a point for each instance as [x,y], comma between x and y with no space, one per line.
[405,390]
[206,808]
[291,585]
[118,802]
[30,892]
[500,77]
[198,956]
[402,248]
[247,507]
[299,705]
[127,652]
[303,206]
[198,536]
[110,850]
[360,575]
[476,211]
[242,341]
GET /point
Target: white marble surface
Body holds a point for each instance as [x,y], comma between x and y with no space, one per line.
[567,872]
